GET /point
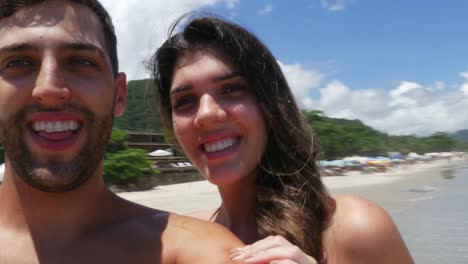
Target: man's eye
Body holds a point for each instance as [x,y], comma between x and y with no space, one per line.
[17,67]
[18,63]
[82,62]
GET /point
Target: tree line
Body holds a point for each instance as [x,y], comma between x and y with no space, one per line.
[342,137]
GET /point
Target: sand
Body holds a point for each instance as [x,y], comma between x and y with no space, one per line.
[394,190]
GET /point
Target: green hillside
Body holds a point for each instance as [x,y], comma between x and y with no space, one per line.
[140,114]
[338,137]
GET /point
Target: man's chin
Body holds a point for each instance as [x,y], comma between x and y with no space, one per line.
[56,179]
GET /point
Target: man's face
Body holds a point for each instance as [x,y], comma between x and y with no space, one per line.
[57,94]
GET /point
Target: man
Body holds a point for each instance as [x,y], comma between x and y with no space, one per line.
[59,91]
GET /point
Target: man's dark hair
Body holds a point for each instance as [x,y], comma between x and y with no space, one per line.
[10,7]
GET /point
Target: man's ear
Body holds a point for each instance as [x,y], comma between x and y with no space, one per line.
[120,94]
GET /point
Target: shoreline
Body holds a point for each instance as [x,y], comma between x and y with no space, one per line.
[394,190]
[402,189]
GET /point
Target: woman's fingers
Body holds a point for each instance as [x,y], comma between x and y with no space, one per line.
[266,243]
[284,261]
[259,246]
[272,250]
[290,253]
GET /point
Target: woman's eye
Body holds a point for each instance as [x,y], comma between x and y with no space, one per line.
[183,102]
[232,89]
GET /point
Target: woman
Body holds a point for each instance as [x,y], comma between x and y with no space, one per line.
[222,96]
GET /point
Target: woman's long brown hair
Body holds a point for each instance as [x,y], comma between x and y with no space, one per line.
[292,201]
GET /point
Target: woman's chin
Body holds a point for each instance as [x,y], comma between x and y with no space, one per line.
[227,177]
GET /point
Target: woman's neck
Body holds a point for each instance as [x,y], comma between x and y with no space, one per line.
[237,211]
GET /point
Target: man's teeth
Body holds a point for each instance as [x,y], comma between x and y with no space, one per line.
[219,145]
[58,126]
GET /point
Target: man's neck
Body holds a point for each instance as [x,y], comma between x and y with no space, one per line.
[51,216]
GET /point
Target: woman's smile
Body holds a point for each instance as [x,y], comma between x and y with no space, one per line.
[216,117]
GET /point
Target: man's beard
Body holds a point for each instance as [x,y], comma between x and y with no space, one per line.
[55,175]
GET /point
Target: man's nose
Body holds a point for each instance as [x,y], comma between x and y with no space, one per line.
[51,89]
[209,111]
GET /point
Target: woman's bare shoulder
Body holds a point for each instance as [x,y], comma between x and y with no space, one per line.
[203,215]
[363,232]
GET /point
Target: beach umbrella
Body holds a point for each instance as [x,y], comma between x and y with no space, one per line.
[336,163]
[323,163]
[357,159]
[160,153]
[395,155]
[413,155]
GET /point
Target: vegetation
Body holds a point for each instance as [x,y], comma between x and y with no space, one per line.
[125,166]
[141,108]
[342,137]
[122,164]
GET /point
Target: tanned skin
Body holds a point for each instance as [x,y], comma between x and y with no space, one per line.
[54,206]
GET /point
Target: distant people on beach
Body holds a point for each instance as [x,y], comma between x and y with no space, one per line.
[59,90]
[224,99]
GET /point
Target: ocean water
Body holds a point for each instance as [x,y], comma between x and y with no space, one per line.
[435,227]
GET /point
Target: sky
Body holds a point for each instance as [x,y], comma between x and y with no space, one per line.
[399,66]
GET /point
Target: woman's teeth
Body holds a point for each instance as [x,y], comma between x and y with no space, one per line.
[219,145]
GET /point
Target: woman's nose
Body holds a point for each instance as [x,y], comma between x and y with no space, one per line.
[209,111]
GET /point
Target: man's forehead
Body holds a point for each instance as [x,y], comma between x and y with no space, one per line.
[52,19]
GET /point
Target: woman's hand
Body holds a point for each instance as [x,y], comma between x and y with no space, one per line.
[272,250]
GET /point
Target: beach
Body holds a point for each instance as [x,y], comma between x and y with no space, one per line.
[379,187]
[427,202]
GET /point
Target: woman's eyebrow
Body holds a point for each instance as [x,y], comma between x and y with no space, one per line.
[180,89]
[227,76]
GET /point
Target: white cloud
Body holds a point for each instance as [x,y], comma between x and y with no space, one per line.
[334,5]
[405,88]
[301,80]
[231,3]
[266,9]
[409,108]
[437,86]
[142,25]
[334,93]
[464,86]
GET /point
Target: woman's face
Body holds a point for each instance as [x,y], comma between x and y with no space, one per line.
[216,117]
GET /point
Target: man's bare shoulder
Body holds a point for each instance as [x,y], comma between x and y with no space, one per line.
[165,237]
[363,232]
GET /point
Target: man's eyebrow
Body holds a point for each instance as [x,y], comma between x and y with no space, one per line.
[16,47]
[227,76]
[82,47]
